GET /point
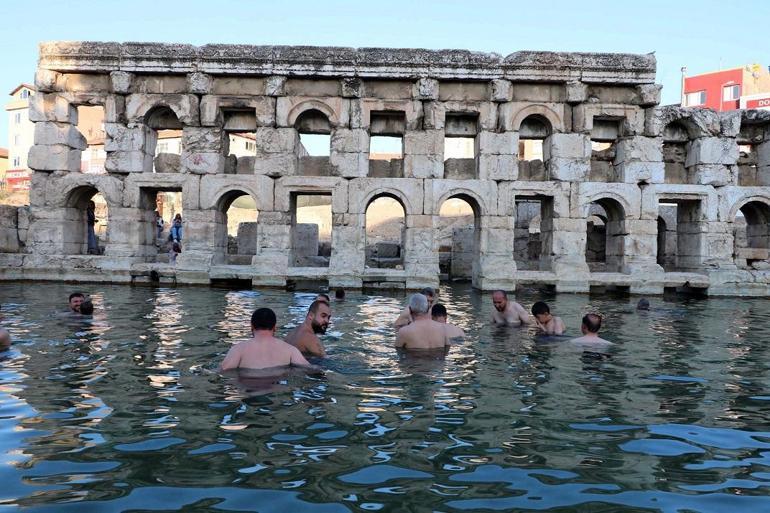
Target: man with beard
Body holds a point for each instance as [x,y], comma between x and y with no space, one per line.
[507,313]
[305,336]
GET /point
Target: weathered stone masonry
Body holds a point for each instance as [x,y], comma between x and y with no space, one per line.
[626,193]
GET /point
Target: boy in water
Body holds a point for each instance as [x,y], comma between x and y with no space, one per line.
[547,323]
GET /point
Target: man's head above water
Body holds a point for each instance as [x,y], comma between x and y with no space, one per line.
[319,314]
[500,300]
[76,299]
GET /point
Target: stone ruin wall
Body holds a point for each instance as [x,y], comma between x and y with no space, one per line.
[626,193]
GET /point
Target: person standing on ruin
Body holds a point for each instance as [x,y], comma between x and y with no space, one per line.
[423,332]
[405,317]
[305,336]
[175,233]
[93,245]
[507,313]
[263,350]
[159,224]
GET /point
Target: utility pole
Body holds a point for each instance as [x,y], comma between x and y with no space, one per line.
[683,69]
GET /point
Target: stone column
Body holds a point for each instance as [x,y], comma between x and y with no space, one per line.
[58,144]
[273,248]
[497,155]
[276,151]
[346,266]
[763,162]
[199,244]
[710,160]
[493,266]
[567,157]
[420,258]
[640,255]
[204,150]
[424,152]
[350,152]
[129,149]
[639,159]
[567,258]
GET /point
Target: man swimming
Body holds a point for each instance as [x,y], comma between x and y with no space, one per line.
[590,327]
[507,313]
[439,314]
[5,340]
[547,323]
[76,299]
[305,336]
[405,317]
[262,350]
[323,298]
[423,332]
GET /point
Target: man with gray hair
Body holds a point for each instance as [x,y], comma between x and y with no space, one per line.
[405,317]
[423,332]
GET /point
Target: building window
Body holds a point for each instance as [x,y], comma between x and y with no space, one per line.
[17,118]
[24,94]
[731,92]
[250,146]
[696,98]
[16,140]
[16,161]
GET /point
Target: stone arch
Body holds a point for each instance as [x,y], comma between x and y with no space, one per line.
[616,203]
[153,112]
[739,204]
[542,113]
[609,256]
[406,204]
[477,203]
[75,229]
[385,247]
[225,194]
[752,236]
[71,187]
[317,105]
[459,258]
[240,248]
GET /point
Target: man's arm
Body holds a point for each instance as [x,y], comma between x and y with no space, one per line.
[522,314]
[402,320]
[558,326]
[296,358]
[400,339]
[311,344]
[232,359]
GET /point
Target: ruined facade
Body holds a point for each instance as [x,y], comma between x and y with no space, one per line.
[576,177]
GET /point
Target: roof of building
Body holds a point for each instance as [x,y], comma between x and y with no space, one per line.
[30,87]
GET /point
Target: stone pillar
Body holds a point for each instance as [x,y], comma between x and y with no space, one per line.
[350,152]
[424,153]
[640,255]
[199,244]
[567,157]
[420,255]
[493,266]
[58,144]
[639,159]
[129,150]
[273,249]
[276,151]
[711,159]
[567,258]
[346,266]
[718,246]
[132,233]
[497,155]
[763,162]
[204,150]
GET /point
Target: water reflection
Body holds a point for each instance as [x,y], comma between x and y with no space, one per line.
[126,410]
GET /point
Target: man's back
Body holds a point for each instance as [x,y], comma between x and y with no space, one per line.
[262,352]
[422,334]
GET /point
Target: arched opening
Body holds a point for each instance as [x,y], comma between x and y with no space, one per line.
[604,138]
[241,128]
[91,127]
[458,237]
[314,146]
[86,223]
[605,236]
[533,233]
[311,229]
[237,227]
[675,140]
[165,139]
[752,235]
[680,235]
[160,208]
[385,226]
[533,132]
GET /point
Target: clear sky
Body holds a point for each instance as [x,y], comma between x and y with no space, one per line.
[702,35]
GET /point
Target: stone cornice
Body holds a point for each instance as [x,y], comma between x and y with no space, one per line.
[317,61]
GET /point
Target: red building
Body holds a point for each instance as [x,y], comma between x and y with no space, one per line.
[723,90]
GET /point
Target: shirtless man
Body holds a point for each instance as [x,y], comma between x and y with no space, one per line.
[305,336]
[592,323]
[507,313]
[262,350]
[76,299]
[423,332]
[405,317]
[5,340]
[439,314]
[547,323]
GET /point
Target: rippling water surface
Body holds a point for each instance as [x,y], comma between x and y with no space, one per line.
[127,411]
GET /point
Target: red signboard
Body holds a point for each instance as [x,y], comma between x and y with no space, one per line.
[758,103]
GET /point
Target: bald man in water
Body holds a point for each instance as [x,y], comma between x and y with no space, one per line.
[508,313]
[405,318]
[423,332]
[590,327]
[262,350]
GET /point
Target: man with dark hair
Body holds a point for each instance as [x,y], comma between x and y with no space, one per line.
[590,327]
[507,313]
[87,307]
[305,336]
[439,314]
[323,298]
[643,304]
[76,299]
[423,332]
[405,317]
[547,323]
[339,295]
[262,350]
